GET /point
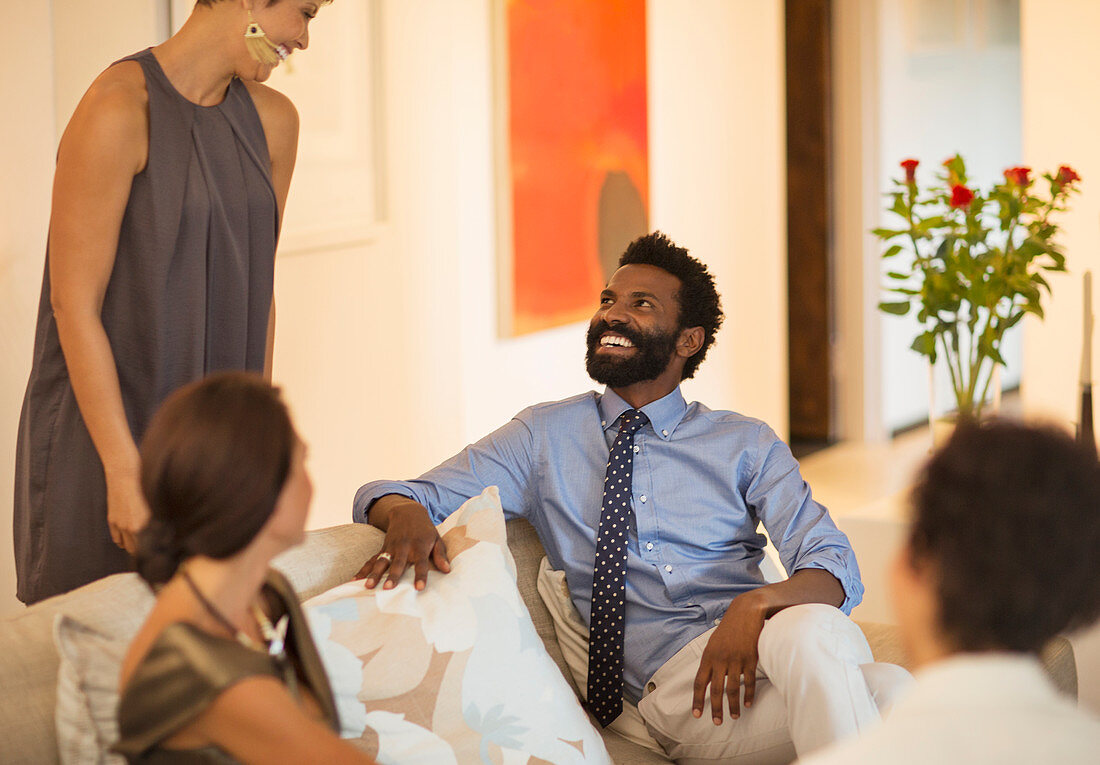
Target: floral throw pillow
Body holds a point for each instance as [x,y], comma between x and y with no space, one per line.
[455,673]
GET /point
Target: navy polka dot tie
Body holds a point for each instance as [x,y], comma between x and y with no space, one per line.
[605,647]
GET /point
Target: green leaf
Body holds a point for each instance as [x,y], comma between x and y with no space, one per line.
[896,308]
[887,233]
[1013,320]
[945,247]
[898,275]
[892,251]
[925,345]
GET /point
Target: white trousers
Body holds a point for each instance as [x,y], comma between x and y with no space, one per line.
[816,683]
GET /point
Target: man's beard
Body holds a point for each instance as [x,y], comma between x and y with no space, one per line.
[653,354]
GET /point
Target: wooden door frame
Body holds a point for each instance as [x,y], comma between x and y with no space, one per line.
[809,84]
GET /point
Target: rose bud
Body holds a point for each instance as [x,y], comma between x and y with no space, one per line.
[910,166]
[961,196]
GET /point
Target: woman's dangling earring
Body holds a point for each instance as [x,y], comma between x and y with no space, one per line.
[260,48]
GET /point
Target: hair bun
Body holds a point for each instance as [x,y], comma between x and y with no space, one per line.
[159,553]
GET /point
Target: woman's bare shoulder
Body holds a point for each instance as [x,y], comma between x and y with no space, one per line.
[271,103]
[278,117]
[113,115]
[119,88]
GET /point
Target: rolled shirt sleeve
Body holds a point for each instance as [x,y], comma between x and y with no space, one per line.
[800,528]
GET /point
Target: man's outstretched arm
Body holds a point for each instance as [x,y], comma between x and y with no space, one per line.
[408,510]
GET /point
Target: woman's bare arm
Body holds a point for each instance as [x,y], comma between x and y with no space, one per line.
[257,720]
[105,144]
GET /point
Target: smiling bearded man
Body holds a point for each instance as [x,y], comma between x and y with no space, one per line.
[649,507]
[620,370]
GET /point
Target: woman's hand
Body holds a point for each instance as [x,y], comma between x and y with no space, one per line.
[127,511]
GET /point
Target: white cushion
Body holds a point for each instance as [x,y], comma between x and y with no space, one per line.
[87,693]
[455,673]
[92,644]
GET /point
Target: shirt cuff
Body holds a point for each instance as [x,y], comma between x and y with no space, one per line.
[368,493]
[853,587]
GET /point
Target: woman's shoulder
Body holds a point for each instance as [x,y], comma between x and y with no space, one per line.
[113,113]
[275,108]
[119,90]
[195,659]
[279,119]
[181,675]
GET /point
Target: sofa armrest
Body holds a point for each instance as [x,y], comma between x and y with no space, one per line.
[329,557]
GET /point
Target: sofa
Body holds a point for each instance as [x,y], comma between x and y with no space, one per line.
[117,605]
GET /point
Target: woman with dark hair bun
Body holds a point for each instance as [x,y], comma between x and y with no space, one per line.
[224,668]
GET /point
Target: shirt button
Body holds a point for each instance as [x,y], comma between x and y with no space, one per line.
[668,568]
[664,433]
[637,449]
[603,423]
[651,687]
[717,622]
[649,545]
[642,498]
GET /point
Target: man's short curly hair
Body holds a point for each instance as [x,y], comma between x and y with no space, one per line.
[699,303]
[1008,516]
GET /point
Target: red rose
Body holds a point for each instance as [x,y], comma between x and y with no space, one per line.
[961,196]
[1021,176]
[1067,175]
[910,166]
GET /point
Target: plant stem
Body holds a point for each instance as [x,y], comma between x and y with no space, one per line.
[985,389]
[950,368]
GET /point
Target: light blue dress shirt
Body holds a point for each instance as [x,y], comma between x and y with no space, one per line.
[702,482]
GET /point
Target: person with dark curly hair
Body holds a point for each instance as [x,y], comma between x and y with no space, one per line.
[1002,555]
[648,508]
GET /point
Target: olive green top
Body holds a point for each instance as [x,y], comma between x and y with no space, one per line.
[186,669]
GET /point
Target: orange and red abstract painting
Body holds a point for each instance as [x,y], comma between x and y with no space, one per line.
[577,151]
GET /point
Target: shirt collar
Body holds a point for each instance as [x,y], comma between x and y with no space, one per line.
[664,414]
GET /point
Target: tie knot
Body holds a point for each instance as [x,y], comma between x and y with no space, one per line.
[631,421]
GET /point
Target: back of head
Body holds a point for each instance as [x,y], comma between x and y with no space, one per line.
[213,461]
[698,298]
[1008,517]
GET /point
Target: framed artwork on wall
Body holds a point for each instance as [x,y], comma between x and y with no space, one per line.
[572,165]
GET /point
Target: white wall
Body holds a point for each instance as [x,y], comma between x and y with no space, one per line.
[388,350]
[1061,122]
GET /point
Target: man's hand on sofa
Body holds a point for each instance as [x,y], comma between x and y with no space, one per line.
[411,540]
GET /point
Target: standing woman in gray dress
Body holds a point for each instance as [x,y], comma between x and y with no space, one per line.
[170,184]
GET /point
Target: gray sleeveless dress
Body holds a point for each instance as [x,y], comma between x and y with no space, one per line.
[189,295]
